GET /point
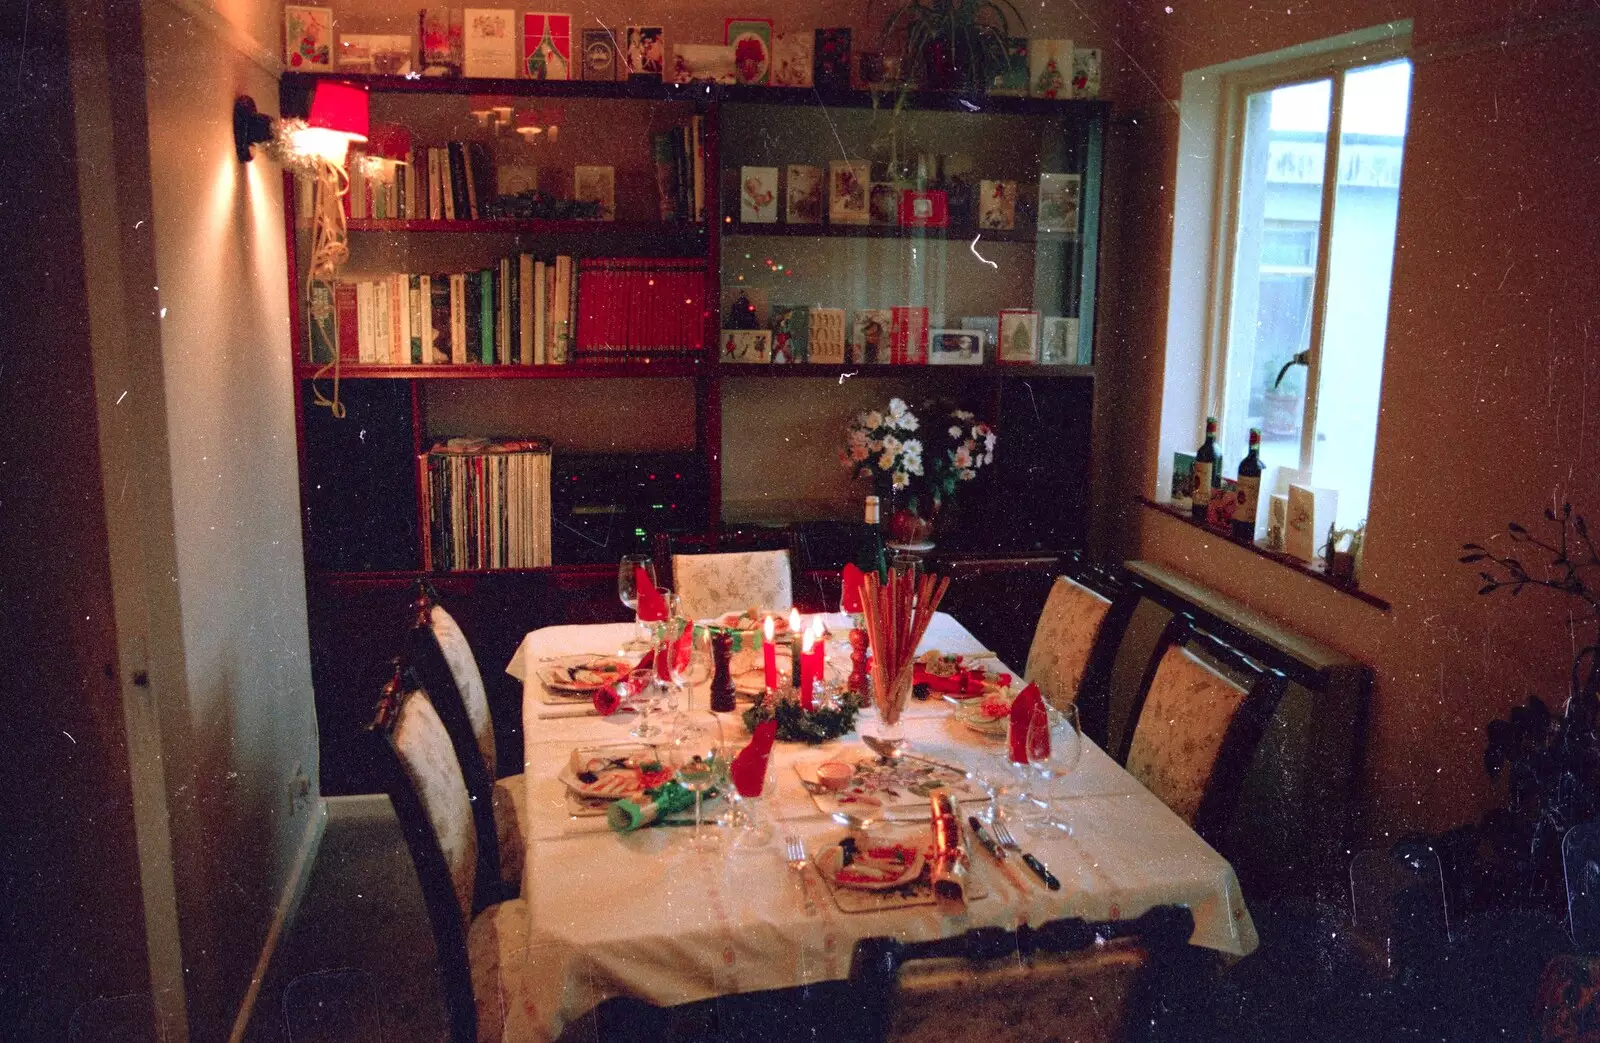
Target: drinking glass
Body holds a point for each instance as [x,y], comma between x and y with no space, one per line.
[628,593]
[744,818]
[689,666]
[1055,746]
[641,690]
[696,754]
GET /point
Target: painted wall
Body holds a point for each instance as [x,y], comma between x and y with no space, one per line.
[1487,383]
[72,931]
[238,724]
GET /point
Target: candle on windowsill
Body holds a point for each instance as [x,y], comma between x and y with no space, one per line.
[769,657]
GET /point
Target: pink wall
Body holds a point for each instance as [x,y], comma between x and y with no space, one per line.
[1487,381]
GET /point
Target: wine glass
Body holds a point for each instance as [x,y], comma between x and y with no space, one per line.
[1055,746]
[696,754]
[750,827]
[641,691]
[688,665]
[628,592]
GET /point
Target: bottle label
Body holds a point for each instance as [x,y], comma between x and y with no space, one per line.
[1248,492]
[1202,482]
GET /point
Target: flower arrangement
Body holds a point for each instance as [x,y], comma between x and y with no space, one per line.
[882,445]
[965,445]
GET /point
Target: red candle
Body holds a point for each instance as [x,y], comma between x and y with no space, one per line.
[769,657]
[810,669]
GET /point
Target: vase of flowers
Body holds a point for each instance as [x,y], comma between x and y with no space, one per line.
[887,446]
[883,445]
[960,446]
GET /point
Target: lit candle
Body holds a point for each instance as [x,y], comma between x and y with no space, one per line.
[769,656]
[807,677]
[796,629]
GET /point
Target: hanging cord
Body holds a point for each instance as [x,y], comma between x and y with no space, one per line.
[329,249]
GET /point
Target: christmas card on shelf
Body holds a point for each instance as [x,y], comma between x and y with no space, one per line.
[792,59]
[830,65]
[703,63]
[1058,202]
[308,38]
[1058,344]
[803,195]
[747,346]
[997,205]
[849,182]
[599,55]
[869,336]
[1050,68]
[489,47]
[826,340]
[758,195]
[908,336]
[751,40]
[439,31]
[1019,336]
[596,185]
[790,333]
[645,51]
[547,46]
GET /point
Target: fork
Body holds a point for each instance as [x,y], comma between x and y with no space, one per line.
[794,852]
[1002,835]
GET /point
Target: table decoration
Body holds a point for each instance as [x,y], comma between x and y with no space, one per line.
[947,873]
[614,696]
[652,806]
[952,674]
[769,658]
[795,723]
[897,612]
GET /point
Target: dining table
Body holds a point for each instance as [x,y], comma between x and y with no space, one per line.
[646,914]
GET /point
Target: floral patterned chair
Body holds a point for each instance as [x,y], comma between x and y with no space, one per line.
[482,947]
[443,660]
[1074,644]
[709,585]
[1067,980]
[1198,726]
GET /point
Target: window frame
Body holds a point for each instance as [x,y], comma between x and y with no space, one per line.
[1236,88]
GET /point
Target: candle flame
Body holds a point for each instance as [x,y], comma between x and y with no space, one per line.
[809,640]
[794,620]
[767,628]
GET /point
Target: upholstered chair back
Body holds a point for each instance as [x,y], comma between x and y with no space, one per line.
[433,806]
[1064,639]
[468,680]
[711,584]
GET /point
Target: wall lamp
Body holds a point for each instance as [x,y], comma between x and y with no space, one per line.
[338,117]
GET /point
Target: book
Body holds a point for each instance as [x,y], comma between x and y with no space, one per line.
[347,321]
[869,337]
[848,186]
[1019,336]
[489,46]
[908,336]
[308,38]
[439,34]
[751,40]
[593,184]
[825,342]
[547,46]
[1058,202]
[758,195]
[525,309]
[697,167]
[599,55]
[1050,68]
[435,192]
[324,332]
[997,205]
[792,56]
[441,319]
[663,150]
[803,195]
[830,65]
[460,190]
[790,326]
[541,339]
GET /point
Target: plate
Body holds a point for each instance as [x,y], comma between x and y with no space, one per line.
[583,674]
[877,855]
[607,772]
[915,548]
[970,714]
[755,619]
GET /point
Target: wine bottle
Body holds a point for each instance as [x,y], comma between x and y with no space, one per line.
[1207,475]
[1248,490]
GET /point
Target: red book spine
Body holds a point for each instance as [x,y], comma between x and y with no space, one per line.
[347,321]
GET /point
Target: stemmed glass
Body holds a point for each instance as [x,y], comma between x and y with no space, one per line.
[696,754]
[641,691]
[628,593]
[1054,747]
[750,827]
[688,665]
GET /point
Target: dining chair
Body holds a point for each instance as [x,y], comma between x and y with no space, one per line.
[1201,711]
[481,946]
[820,549]
[1075,644]
[443,660]
[709,585]
[1066,980]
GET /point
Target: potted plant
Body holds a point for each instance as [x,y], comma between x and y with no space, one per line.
[954,44]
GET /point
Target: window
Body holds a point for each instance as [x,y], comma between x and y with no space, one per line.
[1306,211]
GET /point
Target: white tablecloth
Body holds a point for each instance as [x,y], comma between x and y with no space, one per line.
[640,915]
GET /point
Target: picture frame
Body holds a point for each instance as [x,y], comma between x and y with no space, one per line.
[802,197]
[1058,340]
[758,195]
[751,40]
[869,337]
[1060,197]
[644,49]
[746,346]
[924,208]
[1050,68]
[997,205]
[792,59]
[831,61]
[307,38]
[849,185]
[600,62]
[703,63]
[596,184]
[489,43]
[826,342]
[955,348]
[547,46]
[1019,337]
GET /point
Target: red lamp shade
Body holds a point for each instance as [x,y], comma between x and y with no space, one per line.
[340,107]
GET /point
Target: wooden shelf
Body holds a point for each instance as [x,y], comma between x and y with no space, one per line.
[823,231]
[568,371]
[1316,570]
[530,227]
[806,369]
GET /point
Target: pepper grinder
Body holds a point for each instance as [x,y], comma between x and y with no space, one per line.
[722,694]
[858,662]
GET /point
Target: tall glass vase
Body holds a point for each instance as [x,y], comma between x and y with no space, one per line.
[883,730]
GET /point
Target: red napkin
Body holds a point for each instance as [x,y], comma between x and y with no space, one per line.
[606,700]
[850,588]
[962,682]
[652,606]
[749,767]
[1028,702]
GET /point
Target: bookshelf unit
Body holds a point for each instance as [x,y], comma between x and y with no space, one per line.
[768,435]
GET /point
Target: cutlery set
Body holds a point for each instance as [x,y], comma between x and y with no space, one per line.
[1002,841]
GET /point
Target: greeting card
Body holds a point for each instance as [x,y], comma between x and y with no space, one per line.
[830,66]
[596,185]
[849,181]
[803,195]
[1019,336]
[1058,202]
[547,45]
[792,57]
[599,55]
[997,205]
[703,63]
[826,336]
[1050,68]
[869,336]
[646,51]
[489,45]
[751,40]
[758,195]
[308,38]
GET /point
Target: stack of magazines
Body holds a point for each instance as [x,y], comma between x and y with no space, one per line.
[486,503]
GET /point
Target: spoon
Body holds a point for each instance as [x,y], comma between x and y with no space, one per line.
[888,749]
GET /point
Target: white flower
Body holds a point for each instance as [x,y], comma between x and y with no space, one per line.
[891,444]
[908,423]
[961,414]
[897,407]
[968,475]
[955,430]
[900,481]
[873,419]
[912,458]
[988,442]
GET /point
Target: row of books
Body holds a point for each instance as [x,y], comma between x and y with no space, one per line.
[436,182]
[517,313]
[639,307]
[486,504]
[680,160]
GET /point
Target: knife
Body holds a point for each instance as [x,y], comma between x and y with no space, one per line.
[1044,874]
[985,839]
